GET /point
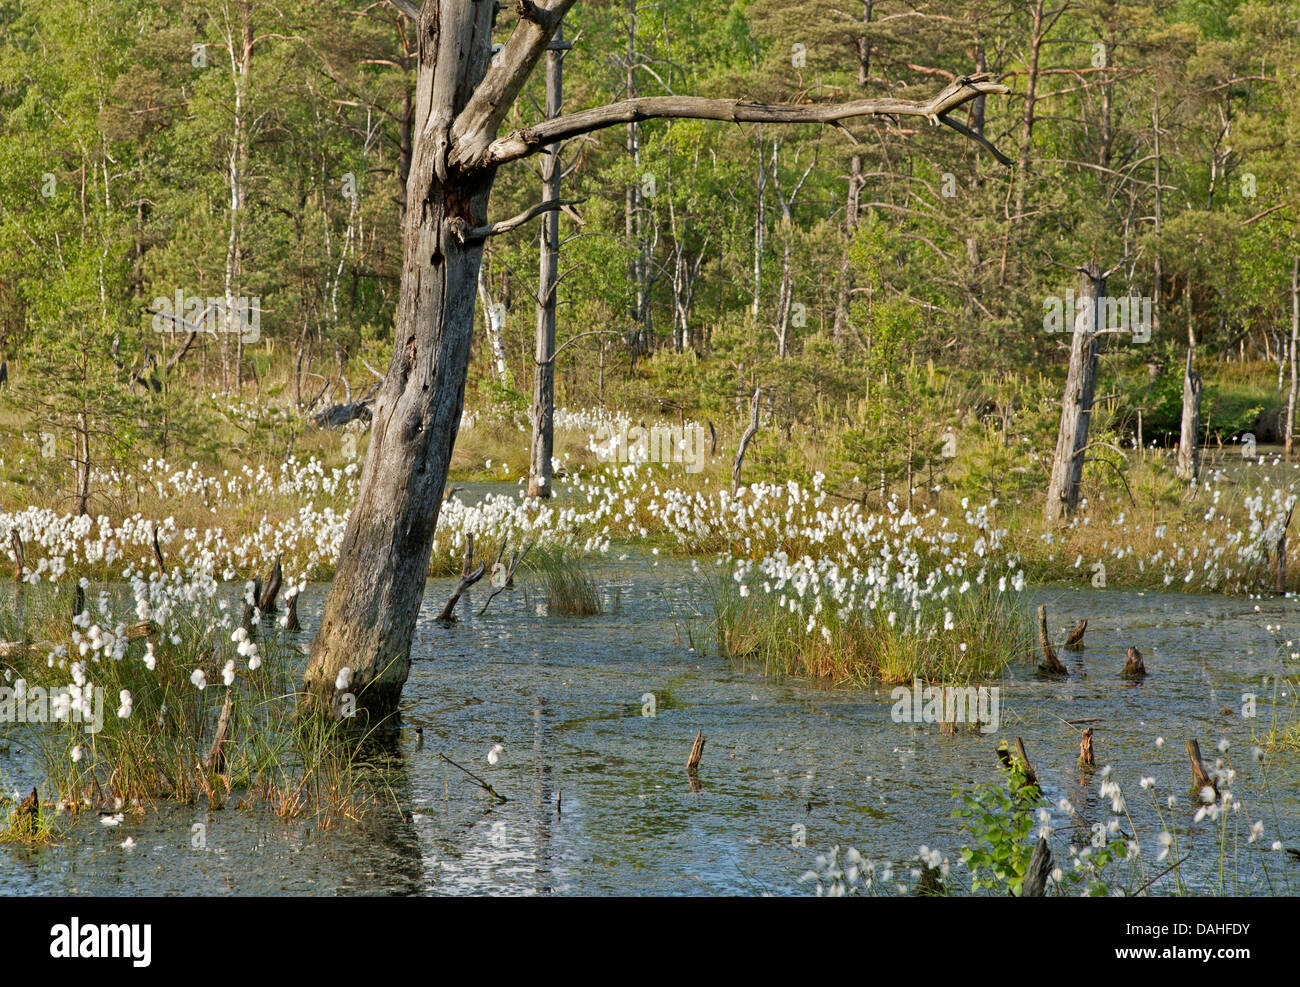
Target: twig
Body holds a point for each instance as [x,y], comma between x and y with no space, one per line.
[468,577]
[510,574]
[482,784]
[1158,876]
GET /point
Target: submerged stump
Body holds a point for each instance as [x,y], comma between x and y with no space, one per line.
[1085,748]
[1051,664]
[1200,778]
[1040,868]
[1133,667]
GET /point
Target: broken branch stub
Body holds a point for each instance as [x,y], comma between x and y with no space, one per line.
[697,752]
[468,577]
[1200,778]
[1051,664]
[1085,748]
[1133,667]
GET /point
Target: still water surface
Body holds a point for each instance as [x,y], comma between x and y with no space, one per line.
[599,801]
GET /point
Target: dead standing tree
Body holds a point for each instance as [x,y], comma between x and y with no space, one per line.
[463,95]
[1188,465]
[548,280]
[1076,403]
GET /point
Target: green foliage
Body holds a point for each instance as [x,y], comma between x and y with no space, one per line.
[998,820]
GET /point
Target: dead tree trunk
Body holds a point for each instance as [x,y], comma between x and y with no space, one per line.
[463,96]
[1200,779]
[1189,455]
[1133,666]
[1295,333]
[1076,403]
[266,600]
[370,614]
[543,442]
[1086,756]
[739,462]
[1040,869]
[1050,663]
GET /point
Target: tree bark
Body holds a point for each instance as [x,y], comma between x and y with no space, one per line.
[369,617]
[1076,403]
[543,412]
[1188,466]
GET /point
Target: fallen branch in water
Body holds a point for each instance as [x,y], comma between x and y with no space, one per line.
[468,577]
[482,784]
[509,580]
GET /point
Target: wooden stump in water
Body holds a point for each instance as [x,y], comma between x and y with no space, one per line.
[292,620]
[1133,667]
[468,577]
[216,759]
[1200,779]
[697,752]
[266,599]
[1085,748]
[1051,664]
[1040,868]
[1075,641]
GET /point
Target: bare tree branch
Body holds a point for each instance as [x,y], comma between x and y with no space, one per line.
[572,339]
[977,137]
[176,357]
[477,124]
[407,9]
[472,149]
[466,234]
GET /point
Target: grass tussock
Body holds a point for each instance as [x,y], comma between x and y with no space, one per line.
[23,822]
[564,573]
[118,724]
[988,629]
